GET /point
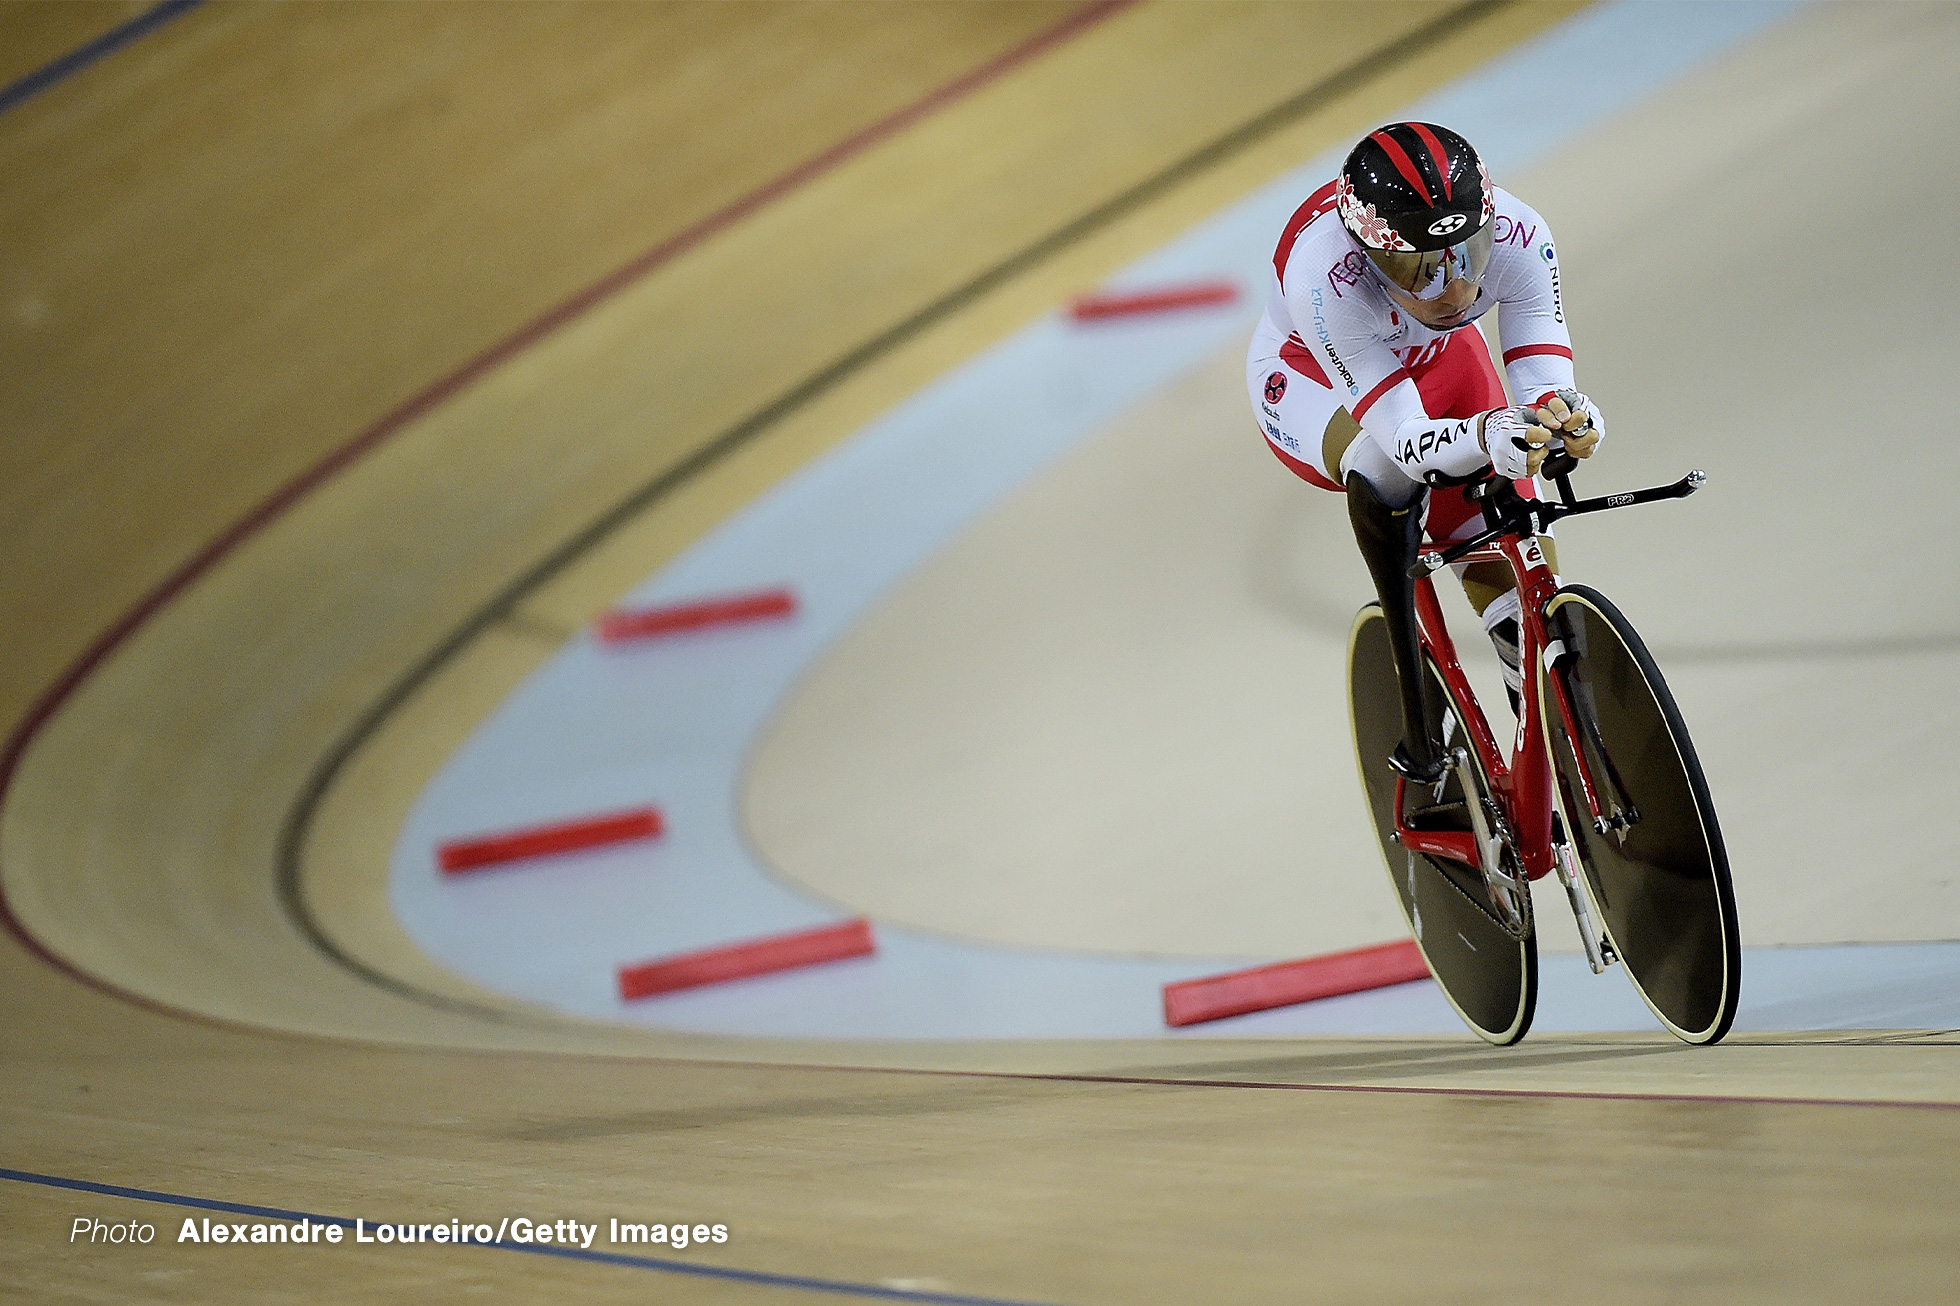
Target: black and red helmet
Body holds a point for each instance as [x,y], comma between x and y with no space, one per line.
[1413,187]
[1418,199]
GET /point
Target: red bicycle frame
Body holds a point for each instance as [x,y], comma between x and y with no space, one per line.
[1521,784]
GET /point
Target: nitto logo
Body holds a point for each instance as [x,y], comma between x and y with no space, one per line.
[1449,222]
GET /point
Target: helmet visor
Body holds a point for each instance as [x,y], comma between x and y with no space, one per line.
[1426,275]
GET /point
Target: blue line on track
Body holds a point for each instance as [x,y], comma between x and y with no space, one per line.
[106,44]
[839,1286]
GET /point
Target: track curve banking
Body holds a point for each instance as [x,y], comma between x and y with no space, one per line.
[359,355]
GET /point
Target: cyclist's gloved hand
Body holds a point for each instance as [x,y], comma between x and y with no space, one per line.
[1569,415]
[1516,445]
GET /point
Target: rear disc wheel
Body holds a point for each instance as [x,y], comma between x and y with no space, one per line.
[1488,973]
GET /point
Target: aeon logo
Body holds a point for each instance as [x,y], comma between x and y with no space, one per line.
[1449,222]
[1504,231]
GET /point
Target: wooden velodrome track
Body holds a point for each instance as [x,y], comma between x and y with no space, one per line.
[263,233]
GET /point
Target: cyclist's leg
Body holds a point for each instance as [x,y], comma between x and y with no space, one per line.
[1304,421]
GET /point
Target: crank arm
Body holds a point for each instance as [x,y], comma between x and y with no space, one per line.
[1505,892]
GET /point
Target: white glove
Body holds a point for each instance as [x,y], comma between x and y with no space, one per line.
[1513,443]
[1581,437]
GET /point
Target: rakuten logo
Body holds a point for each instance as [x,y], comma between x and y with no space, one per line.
[1327,342]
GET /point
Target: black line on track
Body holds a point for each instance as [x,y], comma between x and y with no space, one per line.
[536,627]
[299,819]
[100,48]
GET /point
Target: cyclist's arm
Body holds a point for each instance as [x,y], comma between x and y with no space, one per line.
[1391,413]
[1536,342]
[1524,279]
[1390,410]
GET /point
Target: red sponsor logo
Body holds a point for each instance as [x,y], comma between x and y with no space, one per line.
[1275,387]
[1417,356]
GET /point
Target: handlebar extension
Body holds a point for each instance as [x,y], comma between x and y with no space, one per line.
[1535,515]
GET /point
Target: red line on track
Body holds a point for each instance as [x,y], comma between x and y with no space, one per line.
[733,961]
[504,847]
[1579,1095]
[392,422]
[621,626]
[1292,1086]
[1094,308]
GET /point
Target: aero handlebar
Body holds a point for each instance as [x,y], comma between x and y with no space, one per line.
[1521,515]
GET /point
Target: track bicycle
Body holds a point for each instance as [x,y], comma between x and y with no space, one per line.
[1601,785]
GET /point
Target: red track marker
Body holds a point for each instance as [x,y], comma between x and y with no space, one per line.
[1191,1002]
[742,960]
[617,627]
[1092,308]
[539,841]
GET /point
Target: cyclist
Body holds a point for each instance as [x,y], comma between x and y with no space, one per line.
[1365,380]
